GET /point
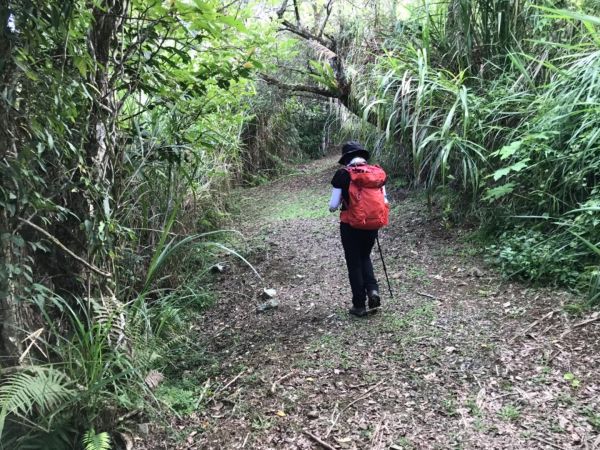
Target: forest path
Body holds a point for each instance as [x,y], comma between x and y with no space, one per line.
[458,359]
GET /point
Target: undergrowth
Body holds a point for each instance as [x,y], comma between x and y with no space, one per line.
[505,137]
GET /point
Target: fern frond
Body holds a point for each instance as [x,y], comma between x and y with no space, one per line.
[41,387]
[111,315]
[153,379]
[93,441]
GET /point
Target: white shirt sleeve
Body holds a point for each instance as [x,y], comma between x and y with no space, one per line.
[336,199]
[384,194]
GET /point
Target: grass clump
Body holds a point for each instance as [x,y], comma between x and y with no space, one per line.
[510,413]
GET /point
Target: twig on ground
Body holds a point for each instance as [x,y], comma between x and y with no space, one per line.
[232,381]
[366,394]
[585,322]
[545,330]
[285,377]
[580,324]
[377,442]
[358,386]
[508,394]
[335,416]
[218,391]
[553,354]
[546,316]
[318,440]
[544,441]
[245,440]
[433,297]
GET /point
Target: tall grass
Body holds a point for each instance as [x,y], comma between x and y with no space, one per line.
[91,359]
[480,99]
[74,379]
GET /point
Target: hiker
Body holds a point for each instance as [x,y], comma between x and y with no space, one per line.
[359,189]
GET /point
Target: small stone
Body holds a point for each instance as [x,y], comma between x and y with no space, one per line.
[144,428]
[475,272]
[314,414]
[269,293]
[269,304]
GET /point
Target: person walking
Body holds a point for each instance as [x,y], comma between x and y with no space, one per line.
[359,189]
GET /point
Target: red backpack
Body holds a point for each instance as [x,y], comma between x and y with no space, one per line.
[367,209]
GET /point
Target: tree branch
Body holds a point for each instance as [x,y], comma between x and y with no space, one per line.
[299,87]
[325,48]
[281,11]
[304,33]
[328,9]
[65,249]
[296,12]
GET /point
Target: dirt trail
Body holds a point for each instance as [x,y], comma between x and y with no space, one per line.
[458,359]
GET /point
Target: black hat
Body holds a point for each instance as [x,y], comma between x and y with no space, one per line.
[352,149]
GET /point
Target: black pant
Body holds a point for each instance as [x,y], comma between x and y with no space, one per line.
[357,249]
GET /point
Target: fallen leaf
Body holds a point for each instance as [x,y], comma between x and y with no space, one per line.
[280,413]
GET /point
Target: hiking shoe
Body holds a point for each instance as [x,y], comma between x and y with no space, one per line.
[358,312]
[374,299]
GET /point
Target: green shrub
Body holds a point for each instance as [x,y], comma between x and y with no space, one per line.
[183,401]
[532,255]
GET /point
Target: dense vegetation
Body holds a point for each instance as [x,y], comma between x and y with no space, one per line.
[495,105]
[125,125]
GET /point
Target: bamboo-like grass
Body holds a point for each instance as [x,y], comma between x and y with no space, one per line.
[507,116]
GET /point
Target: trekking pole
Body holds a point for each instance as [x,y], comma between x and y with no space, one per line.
[384,268]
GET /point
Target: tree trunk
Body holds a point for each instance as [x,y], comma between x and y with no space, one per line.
[12,309]
[96,204]
[15,315]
